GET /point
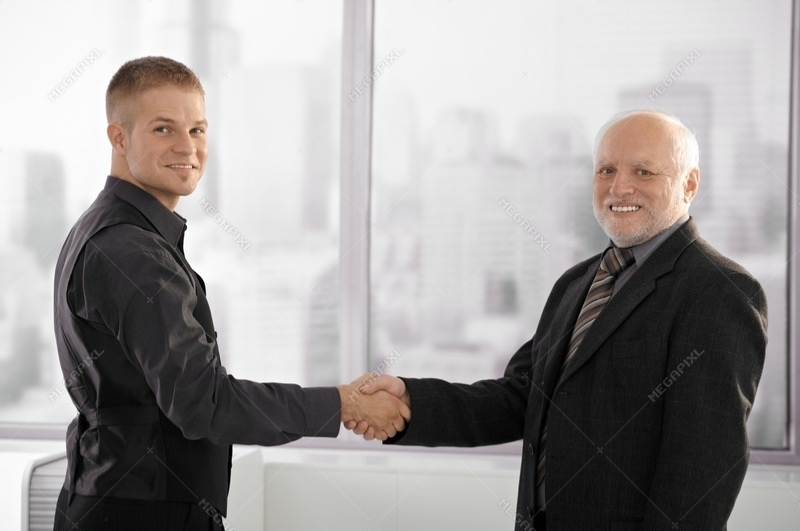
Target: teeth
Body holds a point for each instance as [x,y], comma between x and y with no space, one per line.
[182,166]
[625,208]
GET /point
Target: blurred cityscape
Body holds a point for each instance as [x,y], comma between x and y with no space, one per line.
[457,284]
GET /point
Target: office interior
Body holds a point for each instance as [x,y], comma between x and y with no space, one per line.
[354,214]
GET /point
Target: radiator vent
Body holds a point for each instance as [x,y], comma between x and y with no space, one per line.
[46,479]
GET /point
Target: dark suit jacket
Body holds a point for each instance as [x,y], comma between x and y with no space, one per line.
[647,424]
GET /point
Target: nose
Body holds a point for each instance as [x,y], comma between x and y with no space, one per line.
[184,144]
[622,185]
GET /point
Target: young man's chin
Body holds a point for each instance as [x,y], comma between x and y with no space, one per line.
[186,186]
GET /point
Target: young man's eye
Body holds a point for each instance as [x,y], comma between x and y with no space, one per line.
[161,129]
[198,131]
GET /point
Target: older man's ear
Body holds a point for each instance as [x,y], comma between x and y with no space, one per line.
[691,185]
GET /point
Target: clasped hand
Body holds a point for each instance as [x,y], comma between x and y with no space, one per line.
[377,407]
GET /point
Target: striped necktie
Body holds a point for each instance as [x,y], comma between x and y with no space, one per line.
[614,262]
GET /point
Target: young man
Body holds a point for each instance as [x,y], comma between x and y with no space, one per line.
[150,447]
[633,395]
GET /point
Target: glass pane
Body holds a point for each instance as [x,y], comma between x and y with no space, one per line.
[264,223]
[482,103]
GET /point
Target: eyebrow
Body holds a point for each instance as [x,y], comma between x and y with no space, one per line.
[171,121]
[637,163]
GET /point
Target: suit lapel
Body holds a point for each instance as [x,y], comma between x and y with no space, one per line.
[612,316]
[563,322]
[624,302]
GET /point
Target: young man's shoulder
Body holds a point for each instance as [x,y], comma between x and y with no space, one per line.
[124,245]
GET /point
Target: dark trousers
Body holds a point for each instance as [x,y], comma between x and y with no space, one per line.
[90,513]
[540,521]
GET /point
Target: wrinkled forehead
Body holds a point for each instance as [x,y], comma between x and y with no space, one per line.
[636,140]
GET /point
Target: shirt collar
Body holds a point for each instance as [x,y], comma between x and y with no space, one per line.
[169,224]
[643,251]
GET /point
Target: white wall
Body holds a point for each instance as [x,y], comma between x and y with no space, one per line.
[311,489]
[297,488]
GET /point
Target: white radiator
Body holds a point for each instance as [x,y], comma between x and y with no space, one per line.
[291,488]
[42,481]
[391,491]
[32,473]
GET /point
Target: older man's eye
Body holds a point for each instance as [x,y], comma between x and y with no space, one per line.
[605,172]
[644,173]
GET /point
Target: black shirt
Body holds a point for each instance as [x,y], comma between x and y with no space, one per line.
[134,330]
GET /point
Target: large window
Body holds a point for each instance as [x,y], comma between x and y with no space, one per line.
[475,106]
[264,223]
[487,104]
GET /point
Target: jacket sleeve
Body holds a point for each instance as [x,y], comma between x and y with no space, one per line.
[147,302]
[715,364]
[483,413]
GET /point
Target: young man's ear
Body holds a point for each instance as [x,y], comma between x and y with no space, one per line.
[118,136]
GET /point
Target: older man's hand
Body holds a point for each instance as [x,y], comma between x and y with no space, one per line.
[369,386]
[375,407]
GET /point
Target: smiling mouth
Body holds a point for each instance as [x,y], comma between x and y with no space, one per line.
[181,166]
[632,208]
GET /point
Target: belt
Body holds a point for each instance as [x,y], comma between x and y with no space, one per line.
[109,416]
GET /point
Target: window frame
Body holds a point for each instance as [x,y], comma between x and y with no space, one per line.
[355,236]
[788,456]
[791,455]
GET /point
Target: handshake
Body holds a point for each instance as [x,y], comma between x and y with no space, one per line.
[377,407]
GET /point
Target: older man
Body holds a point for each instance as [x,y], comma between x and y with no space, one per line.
[632,396]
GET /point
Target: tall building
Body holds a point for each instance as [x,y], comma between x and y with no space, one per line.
[276,184]
[484,247]
[279,176]
[44,219]
[321,335]
[557,155]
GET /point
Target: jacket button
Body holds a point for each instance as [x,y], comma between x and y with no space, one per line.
[530,447]
[530,512]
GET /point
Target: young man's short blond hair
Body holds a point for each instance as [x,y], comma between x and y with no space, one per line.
[144,73]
